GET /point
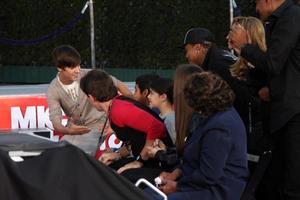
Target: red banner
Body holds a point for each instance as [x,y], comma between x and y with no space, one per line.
[24,112]
[31,112]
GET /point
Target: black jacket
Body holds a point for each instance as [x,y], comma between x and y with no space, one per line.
[61,172]
[281,62]
[219,61]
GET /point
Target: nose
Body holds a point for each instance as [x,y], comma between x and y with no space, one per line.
[188,59]
[77,69]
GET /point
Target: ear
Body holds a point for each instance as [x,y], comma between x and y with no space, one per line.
[163,97]
[146,92]
[198,47]
[59,69]
[90,97]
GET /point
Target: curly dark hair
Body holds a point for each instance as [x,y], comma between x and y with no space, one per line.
[98,84]
[208,93]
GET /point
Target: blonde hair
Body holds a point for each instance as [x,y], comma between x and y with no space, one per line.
[256,32]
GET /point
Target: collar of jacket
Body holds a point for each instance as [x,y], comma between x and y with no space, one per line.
[196,121]
[215,56]
[208,56]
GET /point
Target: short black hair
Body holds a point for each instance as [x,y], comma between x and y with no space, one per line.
[66,56]
[163,86]
[98,84]
[144,81]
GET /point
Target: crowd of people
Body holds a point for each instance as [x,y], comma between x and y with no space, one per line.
[192,131]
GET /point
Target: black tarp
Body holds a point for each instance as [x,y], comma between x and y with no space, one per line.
[61,172]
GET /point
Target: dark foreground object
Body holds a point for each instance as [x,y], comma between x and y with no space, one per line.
[61,172]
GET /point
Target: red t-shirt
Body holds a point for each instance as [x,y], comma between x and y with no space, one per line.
[126,114]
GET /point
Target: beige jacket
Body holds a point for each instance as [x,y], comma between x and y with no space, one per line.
[80,112]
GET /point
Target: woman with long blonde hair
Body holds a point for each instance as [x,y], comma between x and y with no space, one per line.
[253,79]
[255,35]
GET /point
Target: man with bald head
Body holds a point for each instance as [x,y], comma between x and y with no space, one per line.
[281,62]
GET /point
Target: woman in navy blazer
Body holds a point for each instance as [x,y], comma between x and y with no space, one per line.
[214,165]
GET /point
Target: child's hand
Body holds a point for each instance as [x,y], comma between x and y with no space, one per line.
[132,165]
[109,157]
[159,144]
[78,130]
[152,151]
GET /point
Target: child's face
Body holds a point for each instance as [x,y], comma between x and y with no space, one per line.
[69,74]
[140,96]
[155,99]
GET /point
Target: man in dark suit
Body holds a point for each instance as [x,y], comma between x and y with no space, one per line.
[281,62]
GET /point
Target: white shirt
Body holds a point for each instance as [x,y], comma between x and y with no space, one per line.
[71,89]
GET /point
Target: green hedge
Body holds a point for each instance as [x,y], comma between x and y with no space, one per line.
[129,33]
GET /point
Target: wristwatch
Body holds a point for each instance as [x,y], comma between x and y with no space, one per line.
[139,158]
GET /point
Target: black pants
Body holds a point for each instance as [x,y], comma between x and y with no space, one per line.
[282,179]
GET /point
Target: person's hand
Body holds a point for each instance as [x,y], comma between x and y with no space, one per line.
[167,176]
[264,94]
[152,151]
[168,186]
[131,165]
[160,144]
[77,130]
[238,37]
[157,146]
[109,157]
[229,42]
[170,176]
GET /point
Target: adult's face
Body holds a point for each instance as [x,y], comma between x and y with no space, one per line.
[264,8]
[236,37]
[195,54]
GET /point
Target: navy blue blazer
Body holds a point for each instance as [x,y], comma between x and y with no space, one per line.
[215,158]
